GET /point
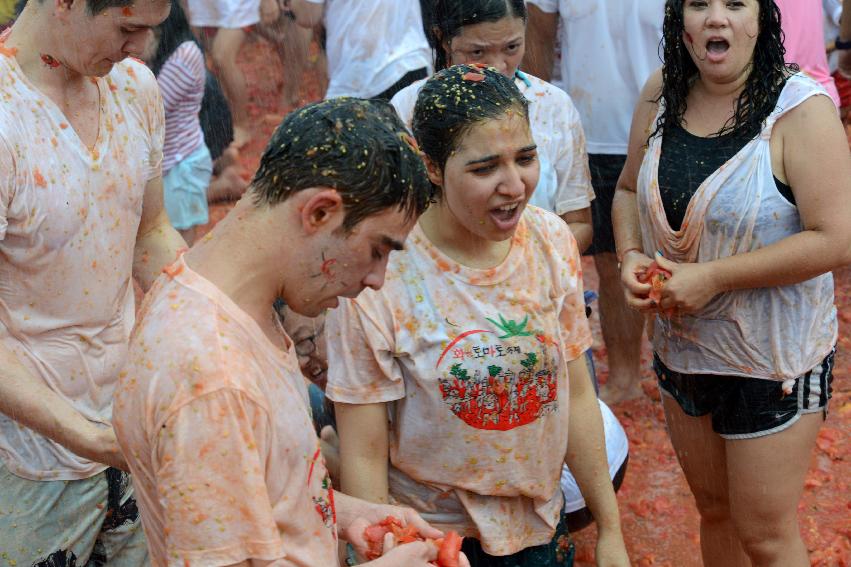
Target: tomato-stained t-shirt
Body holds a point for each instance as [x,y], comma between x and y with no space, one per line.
[69,215]
[475,361]
[215,426]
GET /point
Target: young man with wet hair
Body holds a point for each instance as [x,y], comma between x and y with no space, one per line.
[81,135]
[214,419]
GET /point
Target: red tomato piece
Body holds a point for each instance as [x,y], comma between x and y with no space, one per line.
[656,277]
[449,554]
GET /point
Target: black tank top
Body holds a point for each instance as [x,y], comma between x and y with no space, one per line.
[687,160]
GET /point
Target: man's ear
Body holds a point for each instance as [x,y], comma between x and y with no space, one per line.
[62,7]
[321,208]
[435,173]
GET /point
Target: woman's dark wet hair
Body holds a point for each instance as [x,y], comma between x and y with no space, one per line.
[444,19]
[767,76]
[457,98]
[358,147]
[172,33]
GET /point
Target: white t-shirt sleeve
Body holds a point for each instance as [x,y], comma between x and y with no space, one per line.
[315,1]
[548,6]
[362,368]
[574,190]
[154,113]
[575,330]
[404,102]
[7,184]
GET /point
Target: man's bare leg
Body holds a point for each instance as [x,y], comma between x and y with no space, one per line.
[226,46]
[622,331]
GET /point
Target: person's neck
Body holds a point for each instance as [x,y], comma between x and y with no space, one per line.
[234,259]
[32,43]
[450,237]
[725,90]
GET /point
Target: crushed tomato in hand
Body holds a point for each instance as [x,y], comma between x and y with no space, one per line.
[656,277]
[449,547]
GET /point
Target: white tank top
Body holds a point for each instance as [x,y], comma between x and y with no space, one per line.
[776,333]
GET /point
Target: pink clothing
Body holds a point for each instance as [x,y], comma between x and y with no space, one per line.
[803,26]
[182,79]
[476,363]
[214,421]
[68,221]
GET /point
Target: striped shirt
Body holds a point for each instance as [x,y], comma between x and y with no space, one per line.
[181,81]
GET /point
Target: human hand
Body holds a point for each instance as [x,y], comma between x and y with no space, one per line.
[690,287]
[611,551]
[270,11]
[99,444]
[637,293]
[416,554]
[371,514]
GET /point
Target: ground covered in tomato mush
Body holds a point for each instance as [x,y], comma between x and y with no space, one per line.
[659,518]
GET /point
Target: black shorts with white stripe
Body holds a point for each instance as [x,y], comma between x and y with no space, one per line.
[744,408]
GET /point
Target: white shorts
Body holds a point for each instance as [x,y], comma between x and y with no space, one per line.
[224,14]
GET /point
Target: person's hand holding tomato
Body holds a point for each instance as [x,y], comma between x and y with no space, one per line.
[689,289]
[633,265]
[374,513]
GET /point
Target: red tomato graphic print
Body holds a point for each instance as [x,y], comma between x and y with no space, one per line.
[500,379]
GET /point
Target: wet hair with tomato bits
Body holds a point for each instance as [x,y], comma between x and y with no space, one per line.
[457,98]
[767,76]
[358,147]
[444,19]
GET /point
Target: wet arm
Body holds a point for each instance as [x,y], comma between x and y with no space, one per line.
[817,166]
[586,451]
[625,221]
[625,206]
[540,42]
[157,242]
[581,225]
[26,399]
[364,450]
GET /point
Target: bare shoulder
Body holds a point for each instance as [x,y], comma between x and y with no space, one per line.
[809,118]
[648,100]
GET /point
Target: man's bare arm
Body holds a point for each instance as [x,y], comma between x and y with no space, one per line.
[540,43]
[157,242]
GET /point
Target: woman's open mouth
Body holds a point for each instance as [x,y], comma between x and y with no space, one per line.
[716,49]
[506,217]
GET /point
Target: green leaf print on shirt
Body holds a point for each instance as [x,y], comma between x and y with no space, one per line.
[511,328]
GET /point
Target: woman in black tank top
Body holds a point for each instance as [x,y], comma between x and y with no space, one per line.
[743,442]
